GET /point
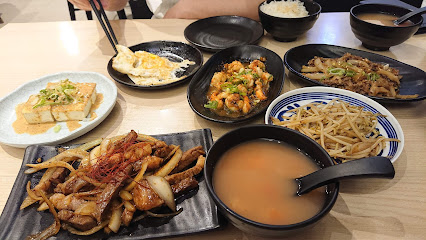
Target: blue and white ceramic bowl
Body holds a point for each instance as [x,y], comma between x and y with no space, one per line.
[388,125]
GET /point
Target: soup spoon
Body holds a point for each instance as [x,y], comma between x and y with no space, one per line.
[409,15]
[365,167]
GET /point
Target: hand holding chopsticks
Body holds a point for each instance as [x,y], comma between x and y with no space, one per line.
[108,31]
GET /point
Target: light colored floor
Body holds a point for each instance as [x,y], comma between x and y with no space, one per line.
[20,11]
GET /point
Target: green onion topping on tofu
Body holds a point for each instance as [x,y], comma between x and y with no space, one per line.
[61,94]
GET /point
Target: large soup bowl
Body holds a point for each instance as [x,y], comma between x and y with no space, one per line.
[299,141]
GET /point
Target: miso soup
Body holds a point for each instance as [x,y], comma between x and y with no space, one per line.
[383,19]
[256,180]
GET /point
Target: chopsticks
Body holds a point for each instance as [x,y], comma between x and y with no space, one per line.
[101,13]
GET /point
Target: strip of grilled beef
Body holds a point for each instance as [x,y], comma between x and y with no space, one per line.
[80,222]
[110,191]
[126,217]
[57,177]
[161,149]
[154,162]
[177,177]
[69,202]
[184,186]
[188,157]
[72,185]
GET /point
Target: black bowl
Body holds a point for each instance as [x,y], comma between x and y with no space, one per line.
[174,51]
[199,85]
[286,135]
[377,37]
[288,29]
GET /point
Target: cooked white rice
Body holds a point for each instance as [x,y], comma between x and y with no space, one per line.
[285,9]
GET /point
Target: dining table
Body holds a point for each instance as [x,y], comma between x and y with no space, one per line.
[365,208]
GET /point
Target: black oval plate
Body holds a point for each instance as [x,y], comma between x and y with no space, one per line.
[199,85]
[217,33]
[174,51]
[413,79]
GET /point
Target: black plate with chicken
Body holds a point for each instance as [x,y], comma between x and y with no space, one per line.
[412,83]
[198,214]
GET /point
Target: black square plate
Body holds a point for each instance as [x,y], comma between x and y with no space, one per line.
[199,211]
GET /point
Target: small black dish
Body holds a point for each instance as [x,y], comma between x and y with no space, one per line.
[413,79]
[289,29]
[381,38]
[199,211]
[292,137]
[217,33]
[199,85]
[174,51]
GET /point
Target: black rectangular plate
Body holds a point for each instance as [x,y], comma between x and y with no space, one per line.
[413,79]
[199,211]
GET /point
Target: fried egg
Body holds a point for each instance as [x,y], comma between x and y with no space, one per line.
[147,69]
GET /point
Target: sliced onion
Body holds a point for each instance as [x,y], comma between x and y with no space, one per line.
[52,229]
[52,164]
[27,202]
[84,233]
[125,195]
[146,138]
[86,208]
[105,145]
[138,177]
[163,189]
[171,164]
[160,215]
[30,170]
[115,219]
[90,145]
[129,206]
[43,207]
[95,154]
[140,217]
[30,192]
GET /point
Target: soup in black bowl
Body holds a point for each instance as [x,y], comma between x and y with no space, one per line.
[381,37]
[298,148]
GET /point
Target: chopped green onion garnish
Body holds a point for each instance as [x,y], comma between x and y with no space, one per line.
[350,73]
[337,71]
[211,105]
[373,76]
[57,128]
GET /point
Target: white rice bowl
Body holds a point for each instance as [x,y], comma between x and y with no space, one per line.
[285,9]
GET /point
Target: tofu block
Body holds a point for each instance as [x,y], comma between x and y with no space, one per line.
[37,115]
[80,109]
